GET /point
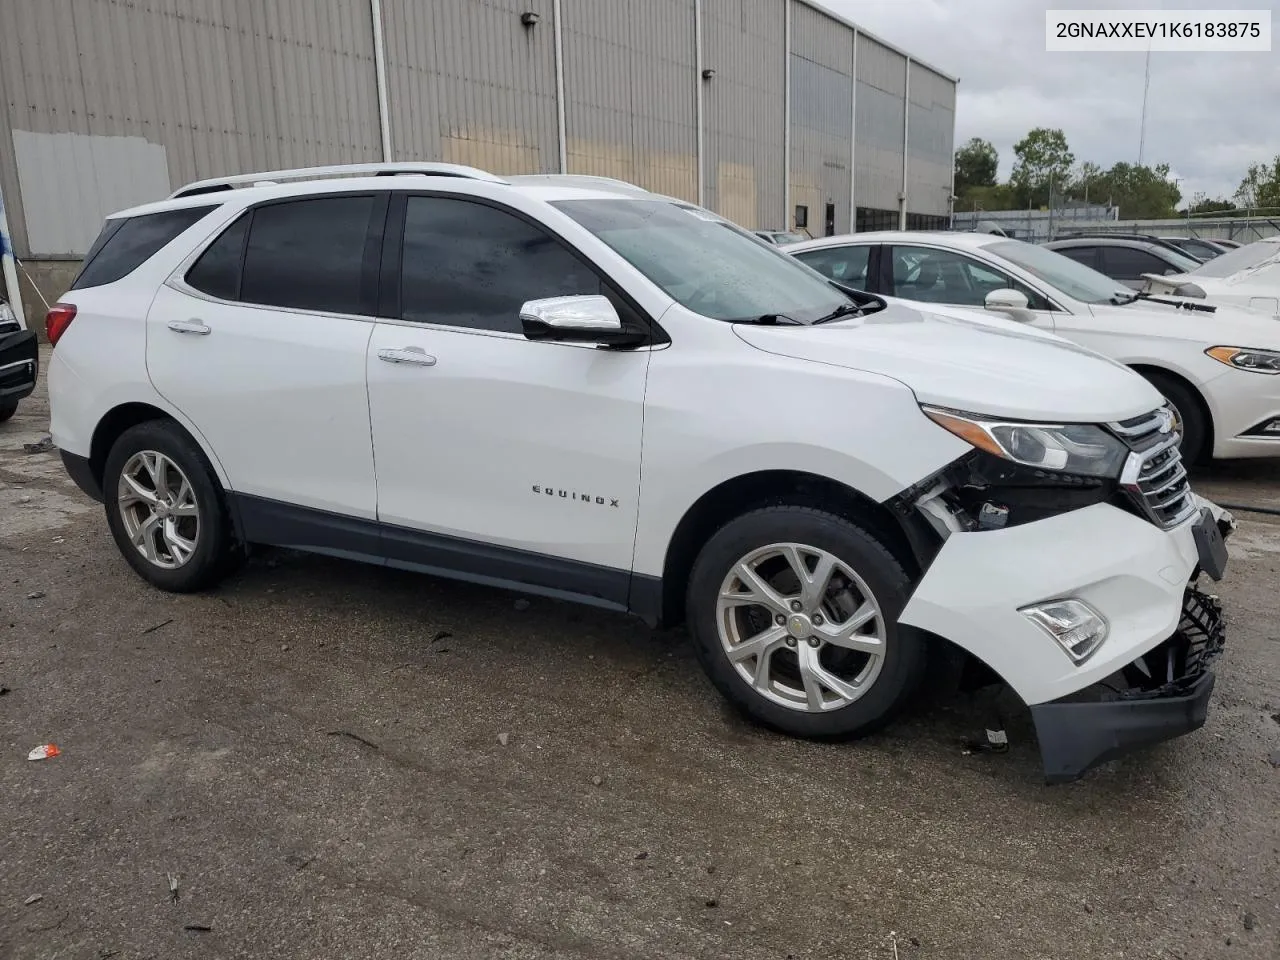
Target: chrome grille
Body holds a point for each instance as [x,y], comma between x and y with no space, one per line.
[1154,477]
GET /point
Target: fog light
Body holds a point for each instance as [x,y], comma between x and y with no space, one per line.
[1078,628]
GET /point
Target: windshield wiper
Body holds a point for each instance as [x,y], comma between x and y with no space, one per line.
[844,310]
[1180,304]
[1120,299]
[771,320]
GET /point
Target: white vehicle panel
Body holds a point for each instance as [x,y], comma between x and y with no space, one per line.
[279,395]
[534,446]
[1130,571]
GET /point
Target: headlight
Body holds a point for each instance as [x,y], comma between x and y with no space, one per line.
[1081,449]
[1255,361]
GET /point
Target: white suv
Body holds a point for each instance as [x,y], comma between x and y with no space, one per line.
[575,388]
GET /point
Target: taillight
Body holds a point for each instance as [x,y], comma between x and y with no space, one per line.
[57,320]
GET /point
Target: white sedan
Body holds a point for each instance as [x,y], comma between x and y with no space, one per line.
[1247,277]
[1219,366]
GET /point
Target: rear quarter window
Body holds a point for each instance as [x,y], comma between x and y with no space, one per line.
[126,244]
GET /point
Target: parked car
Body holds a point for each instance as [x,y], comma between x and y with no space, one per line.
[1248,276]
[1126,260]
[780,237]
[1197,247]
[1213,364]
[19,361]
[558,389]
[1229,244]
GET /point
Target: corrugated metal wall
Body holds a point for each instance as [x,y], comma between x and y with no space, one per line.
[629,93]
[744,110]
[107,103]
[821,117]
[882,83]
[469,83]
[221,85]
[930,141]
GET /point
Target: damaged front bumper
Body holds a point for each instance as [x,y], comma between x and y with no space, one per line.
[1161,695]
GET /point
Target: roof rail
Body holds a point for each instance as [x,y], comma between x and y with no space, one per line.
[338,170]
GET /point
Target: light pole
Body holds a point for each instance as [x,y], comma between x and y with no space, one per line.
[1142,127]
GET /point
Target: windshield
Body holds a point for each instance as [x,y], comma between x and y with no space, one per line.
[705,264]
[1242,258]
[1074,279]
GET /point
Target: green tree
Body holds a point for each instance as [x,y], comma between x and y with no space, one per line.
[1141,192]
[1200,204]
[1043,158]
[1260,187]
[999,196]
[1083,181]
[976,164]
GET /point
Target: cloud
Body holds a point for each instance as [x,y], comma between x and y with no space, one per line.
[1209,115]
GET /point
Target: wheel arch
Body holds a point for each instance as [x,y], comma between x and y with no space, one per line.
[661,601]
[126,415]
[1196,394]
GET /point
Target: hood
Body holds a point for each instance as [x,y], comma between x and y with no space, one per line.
[1228,323]
[969,361]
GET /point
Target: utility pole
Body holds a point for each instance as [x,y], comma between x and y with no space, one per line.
[1142,128]
[1051,172]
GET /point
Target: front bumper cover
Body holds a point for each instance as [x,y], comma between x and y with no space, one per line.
[19,365]
[1161,695]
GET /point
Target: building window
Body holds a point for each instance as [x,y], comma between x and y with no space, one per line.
[872,219]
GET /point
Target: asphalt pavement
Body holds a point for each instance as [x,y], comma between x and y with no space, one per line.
[333,760]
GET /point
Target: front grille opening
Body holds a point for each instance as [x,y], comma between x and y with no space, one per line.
[1155,479]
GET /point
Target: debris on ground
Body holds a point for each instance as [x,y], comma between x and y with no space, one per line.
[597,781]
[34,898]
[40,446]
[197,928]
[997,742]
[504,738]
[36,595]
[1250,921]
[522,604]
[3,691]
[164,623]
[298,863]
[642,855]
[46,751]
[1276,717]
[173,887]
[712,903]
[1275,758]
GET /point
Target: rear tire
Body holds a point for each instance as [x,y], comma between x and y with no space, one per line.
[1190,414]
[166,508]
[7,410]
[817,654]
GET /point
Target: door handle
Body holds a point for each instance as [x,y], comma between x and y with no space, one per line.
[414,355]
[189,326]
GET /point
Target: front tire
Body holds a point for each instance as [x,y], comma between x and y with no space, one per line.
[794,615]
[166,510]
[1186,406]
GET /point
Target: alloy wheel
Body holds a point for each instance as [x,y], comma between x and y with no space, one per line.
[801,627]
[158,507]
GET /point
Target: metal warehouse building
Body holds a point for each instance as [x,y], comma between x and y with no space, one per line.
[774,113]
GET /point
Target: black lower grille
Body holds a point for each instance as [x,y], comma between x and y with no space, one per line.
[1178,663]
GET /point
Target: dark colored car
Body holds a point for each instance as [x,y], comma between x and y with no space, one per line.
[19,362]
[1125,260]
[1197,247]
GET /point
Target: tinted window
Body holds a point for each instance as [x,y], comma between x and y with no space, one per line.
[470,265]
[944,276]
[1125,263]
[847,265]
[124,245]
[217,272]
[1086,255]
[308,254]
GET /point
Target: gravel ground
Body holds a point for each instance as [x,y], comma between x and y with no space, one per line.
[339,761]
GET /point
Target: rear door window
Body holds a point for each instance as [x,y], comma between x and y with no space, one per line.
[217,272]
[847,265]
[1128,263]
[125,244]
[310,255]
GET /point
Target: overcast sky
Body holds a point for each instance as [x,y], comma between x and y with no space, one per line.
[1209,115]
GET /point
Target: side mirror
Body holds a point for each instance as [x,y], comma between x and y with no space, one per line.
[585,319]
[1012,302]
